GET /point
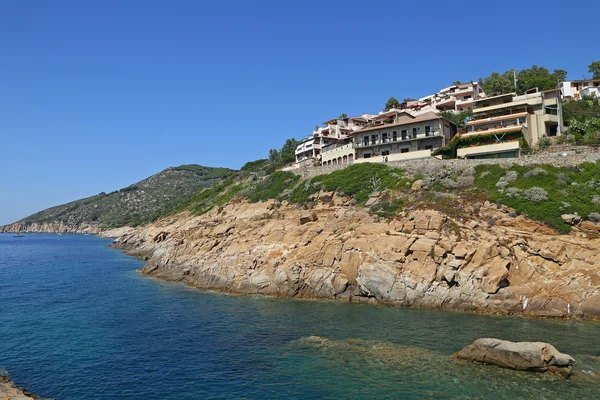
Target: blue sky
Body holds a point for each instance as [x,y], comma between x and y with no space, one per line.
[96,95]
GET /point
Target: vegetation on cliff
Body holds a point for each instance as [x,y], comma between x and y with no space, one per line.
[544,192]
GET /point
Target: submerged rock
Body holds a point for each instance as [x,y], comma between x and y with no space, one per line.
[526,356]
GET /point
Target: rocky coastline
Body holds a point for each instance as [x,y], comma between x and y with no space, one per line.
[50,227]
[10,391]
[489,261]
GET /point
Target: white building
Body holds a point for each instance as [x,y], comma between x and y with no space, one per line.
[454,98]
[577,89]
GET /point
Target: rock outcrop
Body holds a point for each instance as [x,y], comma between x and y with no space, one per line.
[9,391]
[488,261]
[50,227]
[526,356]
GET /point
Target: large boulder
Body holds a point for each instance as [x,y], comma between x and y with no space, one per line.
[526,356]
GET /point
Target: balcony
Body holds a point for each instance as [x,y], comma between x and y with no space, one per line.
[419,136]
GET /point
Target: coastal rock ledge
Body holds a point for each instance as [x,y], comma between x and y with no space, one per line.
[483,260]
[525,356]
[9,391]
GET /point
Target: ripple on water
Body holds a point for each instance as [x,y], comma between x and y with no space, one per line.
[78,323]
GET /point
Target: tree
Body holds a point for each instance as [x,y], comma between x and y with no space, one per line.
[497,84]
[391,103]
[594,69]
[316,127]
[539,77]
[458,118]
[288,151]
[456,83]
[343,116]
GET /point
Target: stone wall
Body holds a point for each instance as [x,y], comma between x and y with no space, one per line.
[559,156]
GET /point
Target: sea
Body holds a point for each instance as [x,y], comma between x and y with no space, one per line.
[77,321]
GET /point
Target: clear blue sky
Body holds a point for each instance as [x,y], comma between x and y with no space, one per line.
[96,95]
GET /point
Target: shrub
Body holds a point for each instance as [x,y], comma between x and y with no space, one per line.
[594,216]
[544,142]
[358,181]
[535,194]
[535,172]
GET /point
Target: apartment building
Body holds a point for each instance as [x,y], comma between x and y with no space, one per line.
[454,98]
[408,138]
[339,148]
[499,122]
[578,89]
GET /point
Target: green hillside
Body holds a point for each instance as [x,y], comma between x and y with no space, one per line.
[136,204]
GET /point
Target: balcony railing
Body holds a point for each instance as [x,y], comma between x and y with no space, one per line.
[422,135]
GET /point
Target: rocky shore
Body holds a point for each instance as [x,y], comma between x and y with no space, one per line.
[50,227]
[9,391]
[488,261]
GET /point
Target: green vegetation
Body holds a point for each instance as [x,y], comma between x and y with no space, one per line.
[286,155]
[261,165]
[358,180]
[273,186]
[540,77]
[206,172]
[449,150]
[594,69]
[388,208]
[544,192]
[457,118]
[137,204]
[583,120]
[391,103]
[343,116]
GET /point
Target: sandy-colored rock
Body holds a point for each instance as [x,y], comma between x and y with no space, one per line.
[526,356]
[571,218]
[413,260]
[9,391]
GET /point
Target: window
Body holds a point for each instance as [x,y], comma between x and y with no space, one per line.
[404,134]
[394,136]
[405,150]
[366,140]
[384,137]
[385,153]
[373,139]
[367,155]
[414,135]
[427,130]
[429,147]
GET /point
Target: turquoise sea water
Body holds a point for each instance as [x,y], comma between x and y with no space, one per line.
[77,322]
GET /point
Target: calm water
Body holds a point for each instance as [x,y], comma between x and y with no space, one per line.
[77,322]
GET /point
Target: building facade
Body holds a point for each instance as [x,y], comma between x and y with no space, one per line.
[577,89]
[409,138]
[499,122]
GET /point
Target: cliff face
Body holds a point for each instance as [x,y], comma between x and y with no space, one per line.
[489,261]
[51,227]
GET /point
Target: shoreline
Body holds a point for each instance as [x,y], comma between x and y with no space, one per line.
[9,390]
[238,251]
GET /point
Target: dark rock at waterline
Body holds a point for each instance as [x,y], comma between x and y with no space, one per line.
[525,356]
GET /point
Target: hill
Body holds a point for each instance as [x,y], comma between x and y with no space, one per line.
[133,205]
